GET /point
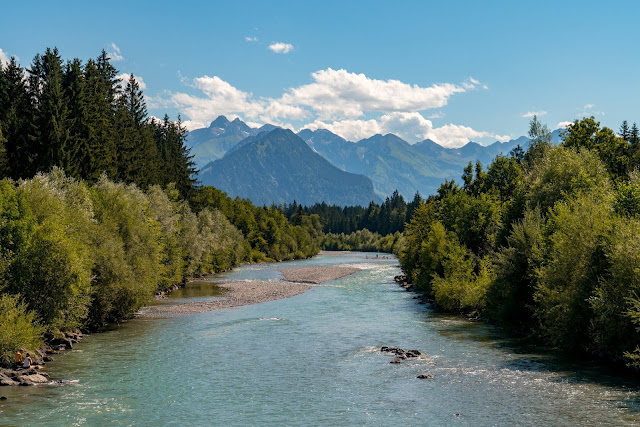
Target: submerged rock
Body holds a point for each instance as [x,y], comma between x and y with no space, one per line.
[425,376]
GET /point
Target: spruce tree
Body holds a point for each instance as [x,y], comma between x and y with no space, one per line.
[45,85]
[176,162]
[101,94]
[4,161]
[634,137]
[16,114]
[624,131]
[137,151]
[76,160]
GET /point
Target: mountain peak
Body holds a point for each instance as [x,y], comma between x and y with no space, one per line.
[220,122]
[278,167]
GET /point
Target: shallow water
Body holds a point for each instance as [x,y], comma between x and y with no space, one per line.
[313,359]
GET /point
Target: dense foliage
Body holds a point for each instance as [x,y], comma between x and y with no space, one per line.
[545,241]
[83,119]
[362,240]
[79,255]
[388,217]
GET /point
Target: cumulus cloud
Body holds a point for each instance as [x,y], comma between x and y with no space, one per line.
[114,53]
[339,93]
[530,114]
[124,79]
[336,100]
[281,47]
[5,57]
[563,125]
[412,127]
[251,39]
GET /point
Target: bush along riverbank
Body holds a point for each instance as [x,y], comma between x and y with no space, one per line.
[545,242]
[79,256]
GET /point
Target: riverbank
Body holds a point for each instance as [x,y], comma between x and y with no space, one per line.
[239,293]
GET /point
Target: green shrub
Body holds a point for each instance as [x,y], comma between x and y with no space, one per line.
[18,328]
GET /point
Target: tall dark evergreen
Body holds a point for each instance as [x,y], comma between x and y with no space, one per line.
[176,164]
[101,89]
[634,136]
[4,161]
[624,131]
[47,94]
[137,150]
[77,161]
[16,115]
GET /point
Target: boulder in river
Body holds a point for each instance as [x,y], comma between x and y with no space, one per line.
[425,376]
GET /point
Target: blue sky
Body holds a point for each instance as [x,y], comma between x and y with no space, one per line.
[450,72]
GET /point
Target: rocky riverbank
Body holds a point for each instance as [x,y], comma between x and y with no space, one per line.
[17,375]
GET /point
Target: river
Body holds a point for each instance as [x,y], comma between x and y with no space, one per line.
[314,359]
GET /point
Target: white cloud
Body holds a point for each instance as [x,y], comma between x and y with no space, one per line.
[340,94]
[124,79]
[336,100]
[114,54]
[563,125]
[412,127]
[436,115]
[588,111]
[281,47]
[530,114]
[5,58]
[251,39]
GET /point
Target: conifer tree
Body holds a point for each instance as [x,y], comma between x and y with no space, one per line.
[634,137]
[4,163]
[176,162]
[45,85]
[101,91]
[16,115]
[624,131]
[137,151]
[77,159]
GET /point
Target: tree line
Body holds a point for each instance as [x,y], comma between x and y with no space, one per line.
[389,217]
[545,241]
[82,118]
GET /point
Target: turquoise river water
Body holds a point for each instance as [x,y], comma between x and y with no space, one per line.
[314,359]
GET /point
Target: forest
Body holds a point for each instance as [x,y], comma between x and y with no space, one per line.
[545,241]
[99,209]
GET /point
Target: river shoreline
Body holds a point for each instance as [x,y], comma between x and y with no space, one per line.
[239,293]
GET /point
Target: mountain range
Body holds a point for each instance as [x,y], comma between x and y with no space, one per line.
[388,161]
[277,166]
